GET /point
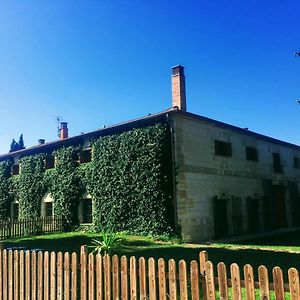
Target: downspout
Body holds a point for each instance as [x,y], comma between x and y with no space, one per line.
[174,183]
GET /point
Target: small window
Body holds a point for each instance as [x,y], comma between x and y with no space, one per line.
[48,209]
[276,163]
[49,162]
[251,153]
[85,156]
[296,163]
[15,210]
[86,211]
[222,148]
[15,169]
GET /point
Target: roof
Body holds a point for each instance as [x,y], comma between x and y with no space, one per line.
[137,123]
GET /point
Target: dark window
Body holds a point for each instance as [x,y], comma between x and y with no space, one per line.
[15,169]
[276,163]
[15,211]
[251,153]
[85,156]
[222,148]
[296,163]
[49,162]
[87,211]
[48,209]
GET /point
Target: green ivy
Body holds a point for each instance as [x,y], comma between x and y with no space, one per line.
[65,185]
[5,188]
[30,186]
[129,179]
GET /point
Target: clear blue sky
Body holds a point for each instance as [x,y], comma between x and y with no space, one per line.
[102,62]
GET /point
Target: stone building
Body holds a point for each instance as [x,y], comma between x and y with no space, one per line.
[227,180]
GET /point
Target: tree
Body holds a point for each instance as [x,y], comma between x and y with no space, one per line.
[14,146]
[21,142]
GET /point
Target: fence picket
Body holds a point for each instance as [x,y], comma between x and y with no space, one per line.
[40,276]
[33,276]
[203,258]
[183,280]
[59,276]
[16,275]
[236,282]
[1,274]
[278,283]
[53,276]
[249,282]
[222,279]
[83,273]
[116,280]
[152,278]
[133,282]
[172,279]
[124,278]
[294,283]
[22,273]
[66,287]
[91,283]
[263,279]
[107,278]
[4,270]
[194,273]
[99,277]
[142,278]
[210,281]
[74,276]
[162,279]
[10,275]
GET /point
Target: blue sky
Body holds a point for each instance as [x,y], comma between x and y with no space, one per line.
[102,62]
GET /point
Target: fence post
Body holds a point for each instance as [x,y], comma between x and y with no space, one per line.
[83,272]
[203,258]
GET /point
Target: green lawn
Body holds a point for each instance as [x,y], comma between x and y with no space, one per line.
[264,251]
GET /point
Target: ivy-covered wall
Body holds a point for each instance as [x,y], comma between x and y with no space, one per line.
[129,179]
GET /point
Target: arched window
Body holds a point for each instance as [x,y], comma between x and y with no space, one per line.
[47,205]
[15,209]
[85,209]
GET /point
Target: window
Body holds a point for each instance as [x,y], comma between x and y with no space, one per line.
[222,148]
[86,211]
[49,162]
[15,210]
[251,153]
[48,209]
[15,170]
[85,156]
[276,163]
[296,163]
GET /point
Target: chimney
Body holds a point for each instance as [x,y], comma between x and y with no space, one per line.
[178,88]
[41,141]
[63,130]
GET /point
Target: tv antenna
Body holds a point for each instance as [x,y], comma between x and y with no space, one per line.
[58,120]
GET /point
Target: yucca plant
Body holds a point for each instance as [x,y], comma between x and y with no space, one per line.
[106,243]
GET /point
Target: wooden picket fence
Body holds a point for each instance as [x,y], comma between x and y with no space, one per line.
[43,275]
[19,228]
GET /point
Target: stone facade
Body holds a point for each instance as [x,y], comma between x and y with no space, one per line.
[224,195]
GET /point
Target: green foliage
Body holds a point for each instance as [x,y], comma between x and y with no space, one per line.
[5,188]
[130,181]
[30,186]
[14,146]
[65,185]
[109,241]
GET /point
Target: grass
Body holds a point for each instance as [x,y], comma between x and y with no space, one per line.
[268,252]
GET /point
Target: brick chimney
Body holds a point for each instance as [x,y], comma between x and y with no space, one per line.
[63,130]
[178,88]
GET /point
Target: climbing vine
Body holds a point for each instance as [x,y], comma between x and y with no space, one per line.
[129,179]
[65,185]
[30,186]
[5,188]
